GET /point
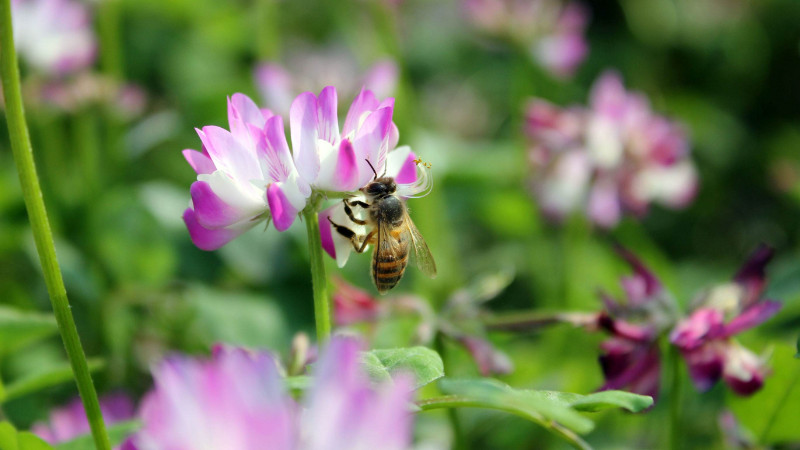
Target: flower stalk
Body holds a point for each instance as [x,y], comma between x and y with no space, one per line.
[319,282]
[34,203]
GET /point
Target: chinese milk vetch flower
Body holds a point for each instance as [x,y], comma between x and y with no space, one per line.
[612,157]
[310,71]
[70,421]
[237,400]
[705,337]
[54,36]
[631,358]
[245,175]
[553,31]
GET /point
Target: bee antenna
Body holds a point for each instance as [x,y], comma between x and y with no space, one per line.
[373,169]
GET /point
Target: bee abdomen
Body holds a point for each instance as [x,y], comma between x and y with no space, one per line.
[388,271]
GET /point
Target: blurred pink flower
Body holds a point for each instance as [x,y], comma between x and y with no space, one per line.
[70,421]
[612,157]
[552,30]
[84,90]
[631,358]
[54,36]
[352,305]
[238,400]
[705,337]
[311,71]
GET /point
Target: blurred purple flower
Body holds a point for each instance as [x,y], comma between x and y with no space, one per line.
[352,305]
[311,71]
[238,400]
[704,337]
[54,36]
[84,90]
[631,358]
[612,157]
[552,30]
[70,421]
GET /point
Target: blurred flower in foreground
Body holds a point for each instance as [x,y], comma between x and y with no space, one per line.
[70,421]
[54,36]
[248,174]
[311,71]
[551,30]
[705,337]
[614,156]
[238,400]
[631,359]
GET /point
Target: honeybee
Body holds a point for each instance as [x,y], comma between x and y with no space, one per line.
[391,230]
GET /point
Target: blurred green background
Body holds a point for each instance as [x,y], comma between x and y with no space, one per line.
[140,289]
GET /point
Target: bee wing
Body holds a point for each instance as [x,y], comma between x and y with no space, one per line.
[387,247]
[422,254]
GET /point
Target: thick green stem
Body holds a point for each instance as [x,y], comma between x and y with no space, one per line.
[34,203]
[319,283]
[676,438]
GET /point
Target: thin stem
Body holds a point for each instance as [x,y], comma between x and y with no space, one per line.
[456,401]
[675,400]
[319,282]
[781,403]
[34,203]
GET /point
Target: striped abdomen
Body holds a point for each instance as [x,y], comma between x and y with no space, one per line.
[389,262]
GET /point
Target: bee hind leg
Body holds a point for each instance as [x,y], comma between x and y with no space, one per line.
[350,234]
[349,211]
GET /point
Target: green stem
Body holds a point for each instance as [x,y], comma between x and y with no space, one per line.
[319,283]
[675,400]
[781,403]
[34,203]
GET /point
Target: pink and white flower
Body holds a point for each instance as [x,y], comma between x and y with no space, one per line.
[238,400]
[249,174]
[613,157]
[244,175]
[705,337]
[54,36]
[552,30]
[70,421]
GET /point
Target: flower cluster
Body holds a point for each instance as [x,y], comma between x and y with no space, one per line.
[614,156]
[631,358]
[70,421]
[238,399]
[54,36]
[551,30]
[248,174]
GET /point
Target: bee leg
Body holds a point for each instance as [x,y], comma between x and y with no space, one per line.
[350,234]
[349,211]
[356,203]
[366,240]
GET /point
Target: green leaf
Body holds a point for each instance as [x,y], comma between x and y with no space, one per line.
[10,439]
[425,364]
[532,405]
[50,377]
[116,434]
[599,401]
[18,328]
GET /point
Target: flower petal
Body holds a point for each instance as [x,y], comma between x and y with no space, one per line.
[752,275]
[604,207]
[275,86]
[213,212]
[207,239]
[327,115]
[339,170]
[705,364]
[400,165]
[229,155]
[704,324]
[364,102]
[282,210]
[752,316]
[370,143]
[304,132]
[200,162]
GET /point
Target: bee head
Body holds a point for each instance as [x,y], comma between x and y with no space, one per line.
[380,187]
